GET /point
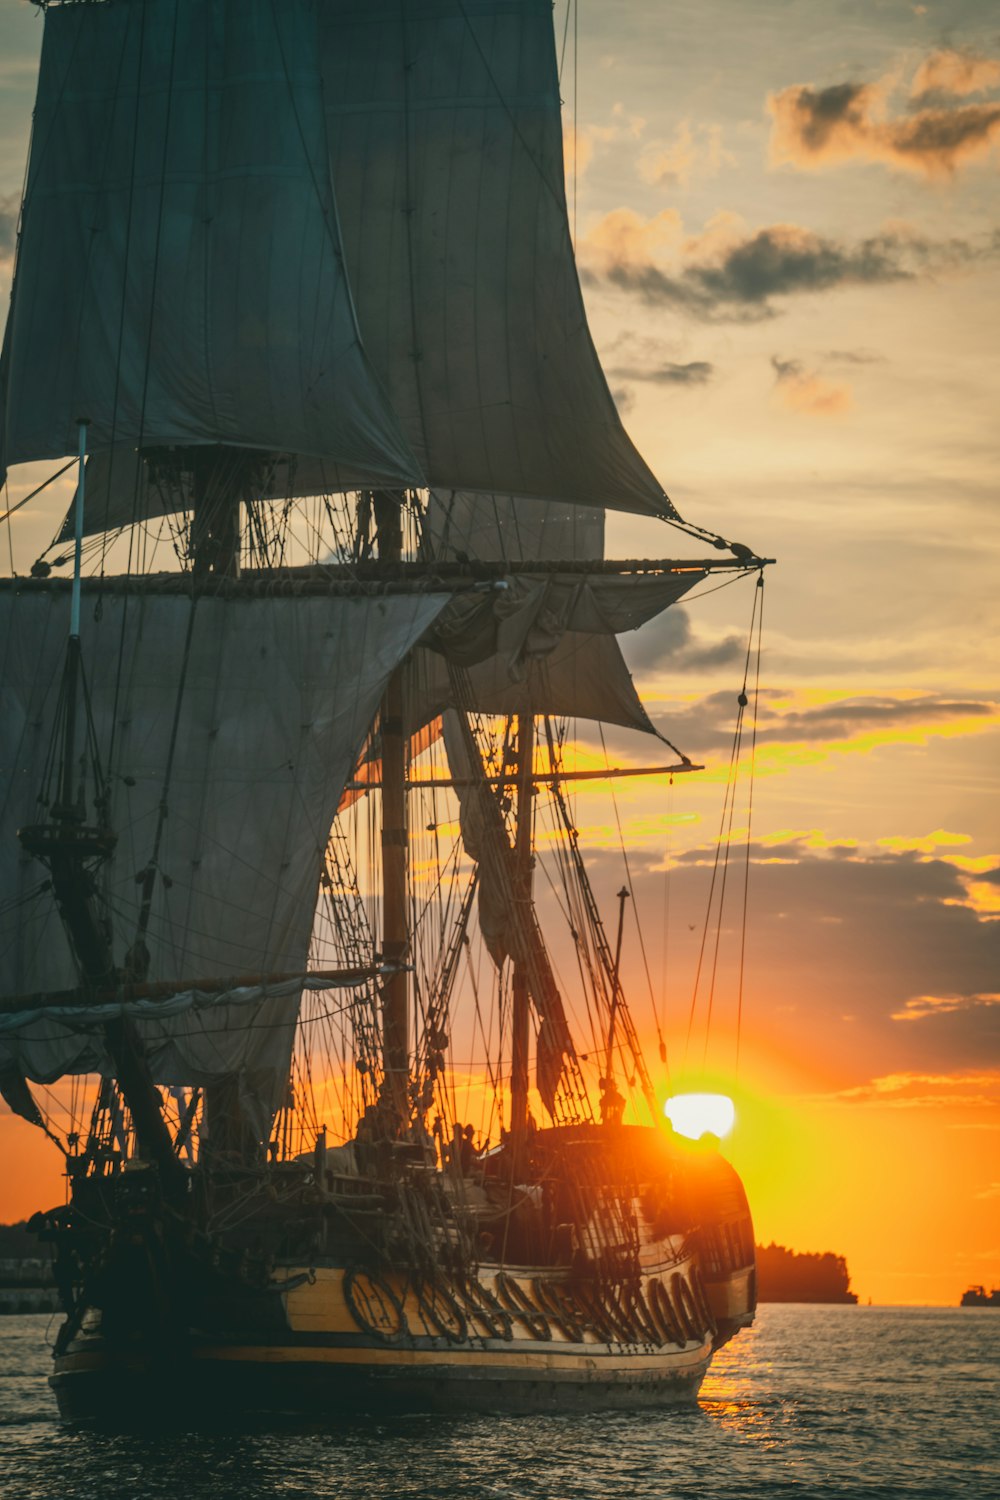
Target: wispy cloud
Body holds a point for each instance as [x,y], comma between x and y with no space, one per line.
[693,151]
[580,145]
[929,135]
[807,392]
[919,1007]
[927,1090]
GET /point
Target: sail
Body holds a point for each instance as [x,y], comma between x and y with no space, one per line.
[444,139]
[228,726]
[444,124]
[548,646]
[179,276]
[192,1038]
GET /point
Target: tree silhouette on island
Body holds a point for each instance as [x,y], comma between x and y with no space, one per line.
[784,1275]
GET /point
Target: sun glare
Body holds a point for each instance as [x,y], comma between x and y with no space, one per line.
[695,1115]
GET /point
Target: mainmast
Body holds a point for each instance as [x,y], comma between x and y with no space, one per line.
[215,519]
[395,923]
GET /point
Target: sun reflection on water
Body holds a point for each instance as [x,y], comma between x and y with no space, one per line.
[731,1391]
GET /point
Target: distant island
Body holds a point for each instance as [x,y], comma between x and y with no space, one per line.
[26,1281]
[785,1276]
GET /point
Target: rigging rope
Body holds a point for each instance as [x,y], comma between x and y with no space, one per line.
[724,839]
[746,870]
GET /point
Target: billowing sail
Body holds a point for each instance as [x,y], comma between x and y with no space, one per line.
[444,142]
[444,122]
[180,276]
[228,727]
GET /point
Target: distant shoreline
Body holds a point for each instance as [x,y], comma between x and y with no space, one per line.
[785,1275]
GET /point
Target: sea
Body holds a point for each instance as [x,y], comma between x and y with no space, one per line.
[813,1401]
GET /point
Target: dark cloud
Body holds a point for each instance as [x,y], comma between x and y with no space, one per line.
[853,357]
[786,369]
[669,644]
[871,956]
[823,111]
[623,398]
[697,372]
[738,282]
[814,128]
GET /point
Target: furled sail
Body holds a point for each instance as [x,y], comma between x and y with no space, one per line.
[179,276]
[444,123]
[229,726]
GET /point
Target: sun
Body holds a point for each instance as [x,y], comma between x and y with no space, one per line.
[695,1115]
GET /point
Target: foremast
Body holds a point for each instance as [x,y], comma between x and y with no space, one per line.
[73,850]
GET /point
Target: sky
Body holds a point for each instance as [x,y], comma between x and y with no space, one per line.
[786,225]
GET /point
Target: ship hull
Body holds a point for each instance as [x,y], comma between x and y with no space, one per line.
[168,1323]
[219,1385]
[378,1341]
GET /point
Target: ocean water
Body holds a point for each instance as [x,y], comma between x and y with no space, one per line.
[813,1401]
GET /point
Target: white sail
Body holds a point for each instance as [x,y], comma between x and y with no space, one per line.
[179,276]
[190,1039]
[232,724]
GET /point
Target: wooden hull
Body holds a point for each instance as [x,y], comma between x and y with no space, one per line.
[321,1385]
[377,1342]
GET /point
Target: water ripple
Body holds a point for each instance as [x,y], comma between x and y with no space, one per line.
[843,1403]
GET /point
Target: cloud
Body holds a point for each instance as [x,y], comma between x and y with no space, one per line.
[805,391]
[669,644]
[956,73]
[922,1090]
[731,273]
[793,725]
[696,372]
[580,145]
[966,1027]
[853,357]
[818,127]
[692,151]
[842,942]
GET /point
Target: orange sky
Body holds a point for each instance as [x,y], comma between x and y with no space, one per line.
[796,308]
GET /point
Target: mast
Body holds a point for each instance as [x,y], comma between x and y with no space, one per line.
[72,850]
[523,861]
[215,519]
[395,924]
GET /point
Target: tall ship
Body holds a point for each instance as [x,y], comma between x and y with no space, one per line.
[302,968]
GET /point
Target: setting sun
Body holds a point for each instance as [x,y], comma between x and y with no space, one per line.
[695,1115]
